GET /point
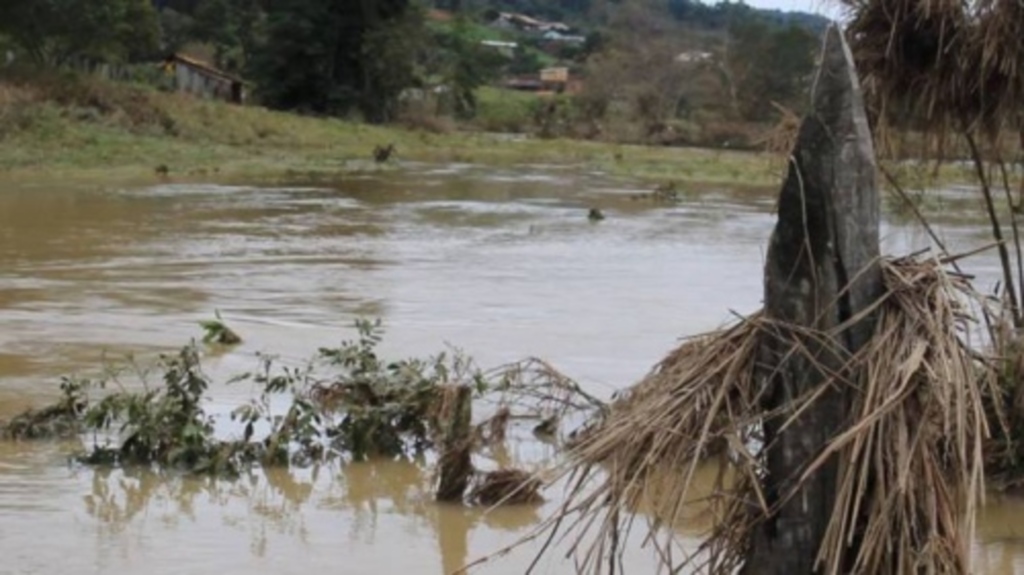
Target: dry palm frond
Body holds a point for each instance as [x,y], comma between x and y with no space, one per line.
[536,384]
[533,389]
[948,65]
[910,456]
[493,430]
[780,140]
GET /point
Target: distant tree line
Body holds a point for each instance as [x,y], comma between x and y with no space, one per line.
[337,57]
[54,31]
[768,64]
[547,9]
[318,56]
[726,13]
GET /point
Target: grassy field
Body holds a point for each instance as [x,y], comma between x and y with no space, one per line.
[62,127]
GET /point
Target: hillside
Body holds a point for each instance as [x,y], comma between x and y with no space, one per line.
[593,14]
[662,72]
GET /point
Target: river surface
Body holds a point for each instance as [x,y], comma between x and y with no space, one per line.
[503,264]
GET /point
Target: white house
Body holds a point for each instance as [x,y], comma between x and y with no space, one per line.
[507,49]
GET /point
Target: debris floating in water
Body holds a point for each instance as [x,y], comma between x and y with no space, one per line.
[382,154]
[506,487]
[54,422]
[218,332]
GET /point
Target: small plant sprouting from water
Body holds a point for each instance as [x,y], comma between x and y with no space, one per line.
[216,331]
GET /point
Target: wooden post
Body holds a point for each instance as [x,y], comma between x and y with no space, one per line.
[456,423]
[821,271]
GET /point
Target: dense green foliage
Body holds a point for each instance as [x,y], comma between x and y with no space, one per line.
[332,57]
[234,27]
[54,31]
[770,65]
[463,64]
[549,9]
[725,14]
[706,15]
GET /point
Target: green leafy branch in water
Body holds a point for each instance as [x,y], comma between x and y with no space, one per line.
[387,408]
[218,332]
[165,425]
[346,402]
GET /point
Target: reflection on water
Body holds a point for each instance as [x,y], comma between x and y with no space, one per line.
[503,264]
[368,517]
[364,517]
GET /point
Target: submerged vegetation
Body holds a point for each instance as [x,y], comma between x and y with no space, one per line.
[218,332]
[346,403]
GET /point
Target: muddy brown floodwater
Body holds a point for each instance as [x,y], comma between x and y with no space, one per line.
[504,264]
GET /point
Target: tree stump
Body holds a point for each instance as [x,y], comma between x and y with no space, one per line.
[821,273]
[455,467]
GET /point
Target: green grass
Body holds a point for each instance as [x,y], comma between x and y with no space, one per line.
[61,128]
[501,110]
[97,129]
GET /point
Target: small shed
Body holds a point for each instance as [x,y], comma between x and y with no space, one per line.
[554,79]
[554,75]
[193,76]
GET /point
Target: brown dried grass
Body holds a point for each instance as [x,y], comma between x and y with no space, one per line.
[13,94]
[949,65]
[910,458]
[780,140]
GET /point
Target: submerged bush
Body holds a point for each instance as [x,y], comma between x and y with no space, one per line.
[165,425]
[347,402]
[388,408]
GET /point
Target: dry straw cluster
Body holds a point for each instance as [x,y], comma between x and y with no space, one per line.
[911,454]
[948,64]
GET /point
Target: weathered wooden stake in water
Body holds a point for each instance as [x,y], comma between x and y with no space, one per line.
[821,272]
[455,464]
